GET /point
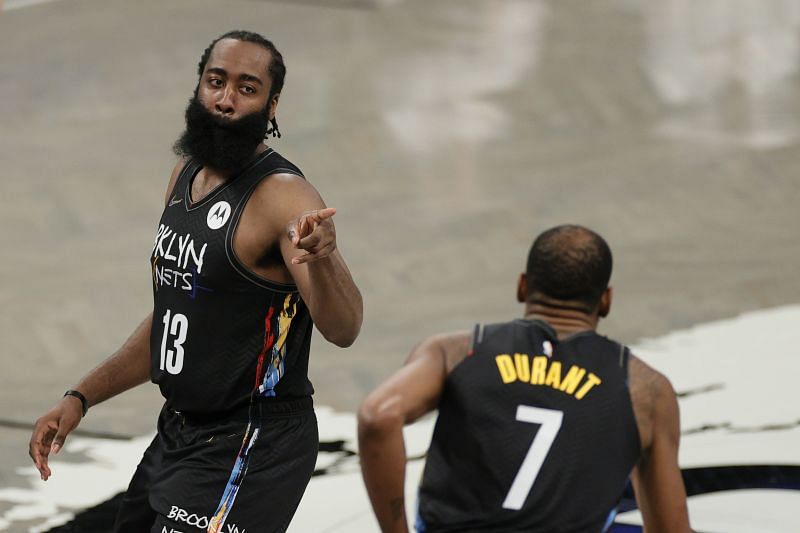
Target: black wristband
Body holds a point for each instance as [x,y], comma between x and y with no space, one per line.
[81,397]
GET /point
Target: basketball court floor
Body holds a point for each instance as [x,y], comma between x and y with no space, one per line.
[447,133]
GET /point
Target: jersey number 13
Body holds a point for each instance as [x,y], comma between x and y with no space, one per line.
[175,329]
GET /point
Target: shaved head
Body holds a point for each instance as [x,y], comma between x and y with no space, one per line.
[569,263]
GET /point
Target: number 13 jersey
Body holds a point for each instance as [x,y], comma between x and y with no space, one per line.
[220,333]
[534,434]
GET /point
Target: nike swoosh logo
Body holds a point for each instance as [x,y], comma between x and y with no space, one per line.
[175,201]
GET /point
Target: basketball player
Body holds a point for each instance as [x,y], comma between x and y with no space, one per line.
[541,420]
[244,263]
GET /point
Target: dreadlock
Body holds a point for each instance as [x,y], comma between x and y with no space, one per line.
[276,68]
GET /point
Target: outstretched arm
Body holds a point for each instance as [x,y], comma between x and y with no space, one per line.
[657,477]
[125,369]
[411,392]
[321,273]
[309,249]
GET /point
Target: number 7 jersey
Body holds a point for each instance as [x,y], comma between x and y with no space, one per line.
[220,333]
[534,434]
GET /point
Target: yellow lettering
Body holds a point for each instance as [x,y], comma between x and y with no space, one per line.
[539,369]
[591,381]
[554,375]
[506,367]
[572,379]
[522,365]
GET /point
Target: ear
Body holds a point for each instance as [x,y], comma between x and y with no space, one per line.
[522,288]
[604,307]
[273,106]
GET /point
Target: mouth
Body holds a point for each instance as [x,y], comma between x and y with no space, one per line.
[223,121]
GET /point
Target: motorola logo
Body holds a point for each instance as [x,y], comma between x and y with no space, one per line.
[218,215]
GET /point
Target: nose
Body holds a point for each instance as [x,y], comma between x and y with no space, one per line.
[224,105]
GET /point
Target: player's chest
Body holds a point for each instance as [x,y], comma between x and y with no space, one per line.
[191,244]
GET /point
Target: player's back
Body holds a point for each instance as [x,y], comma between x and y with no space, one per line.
[534,434]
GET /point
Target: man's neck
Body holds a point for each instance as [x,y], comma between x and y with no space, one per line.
[565,318]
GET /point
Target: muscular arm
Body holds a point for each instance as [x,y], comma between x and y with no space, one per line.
[130,365]
[657,477]
[126,368]
[411,392]
[332,297]
[298,220]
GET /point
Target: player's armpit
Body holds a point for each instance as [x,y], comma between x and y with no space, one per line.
[657,479]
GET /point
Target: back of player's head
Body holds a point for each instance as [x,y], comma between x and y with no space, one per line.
[276,68]
[569,263]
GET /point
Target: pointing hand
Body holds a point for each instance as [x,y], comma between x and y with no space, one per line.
[315,233]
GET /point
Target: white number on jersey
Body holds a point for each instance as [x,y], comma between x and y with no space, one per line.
[175,330]
[550,421]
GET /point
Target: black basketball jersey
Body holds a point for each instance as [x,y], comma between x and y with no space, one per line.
[534,434]
[221,333]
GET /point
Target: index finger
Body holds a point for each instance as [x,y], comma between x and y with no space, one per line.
[322,214]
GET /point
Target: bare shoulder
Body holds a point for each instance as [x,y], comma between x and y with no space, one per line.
[281,197]
[452,346]
[292,187]
[651,394]
[645,376]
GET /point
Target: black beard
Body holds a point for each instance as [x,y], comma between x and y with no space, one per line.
[224,145]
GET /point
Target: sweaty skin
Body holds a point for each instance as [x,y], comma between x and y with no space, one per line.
[286,234]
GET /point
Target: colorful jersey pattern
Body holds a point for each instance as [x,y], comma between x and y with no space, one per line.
[218,327]
[222,336]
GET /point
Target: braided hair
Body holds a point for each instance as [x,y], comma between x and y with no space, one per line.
[276,68]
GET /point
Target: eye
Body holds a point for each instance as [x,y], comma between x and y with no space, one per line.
[215,82]
[247,89]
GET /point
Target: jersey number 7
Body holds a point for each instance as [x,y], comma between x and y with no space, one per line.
[550,420]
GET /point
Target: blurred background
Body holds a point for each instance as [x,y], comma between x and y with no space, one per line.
[447,133]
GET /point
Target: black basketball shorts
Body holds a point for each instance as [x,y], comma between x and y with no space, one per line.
[245,473]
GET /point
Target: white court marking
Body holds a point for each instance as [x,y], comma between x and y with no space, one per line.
[16,4]
[751,361]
